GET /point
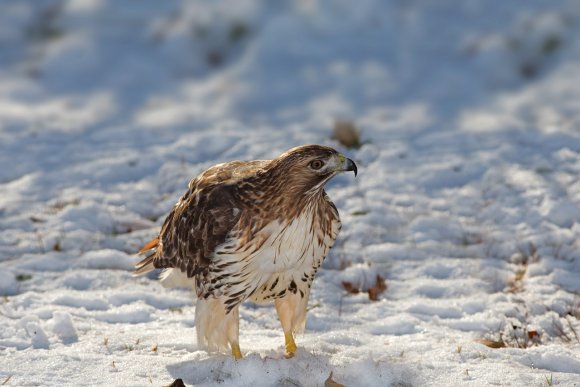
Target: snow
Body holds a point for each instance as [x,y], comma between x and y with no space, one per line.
[8,284]
[62,326]
[466,203]
[38,338]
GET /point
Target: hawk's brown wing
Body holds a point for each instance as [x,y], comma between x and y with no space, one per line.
[198,224]
[200,221]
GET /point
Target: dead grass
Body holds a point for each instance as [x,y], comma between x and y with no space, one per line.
[59,205]
[7,380]
[23,277]
[522,259]
[575,309]
[573,330]
[560,330]
[513,334]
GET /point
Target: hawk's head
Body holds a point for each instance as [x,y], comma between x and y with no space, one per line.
[308,167]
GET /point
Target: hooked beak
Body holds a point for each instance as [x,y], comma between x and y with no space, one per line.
[347,165]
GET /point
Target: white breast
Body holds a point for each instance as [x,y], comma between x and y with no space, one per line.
[289,246]
[288,251]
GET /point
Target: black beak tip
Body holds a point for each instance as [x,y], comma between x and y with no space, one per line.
[351,166]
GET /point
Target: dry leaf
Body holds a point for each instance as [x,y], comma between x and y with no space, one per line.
[376,290]
[532,334]
[349,287]
[176,383]
[331,383]
[491,343]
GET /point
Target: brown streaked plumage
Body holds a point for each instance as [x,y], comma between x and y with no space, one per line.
[254,230]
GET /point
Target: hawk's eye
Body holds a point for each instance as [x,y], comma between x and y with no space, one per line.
[316,164]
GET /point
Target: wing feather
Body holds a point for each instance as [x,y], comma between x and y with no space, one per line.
[200,221]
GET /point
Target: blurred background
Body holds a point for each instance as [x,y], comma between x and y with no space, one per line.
[153,68]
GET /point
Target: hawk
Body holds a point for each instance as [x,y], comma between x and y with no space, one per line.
[250,230]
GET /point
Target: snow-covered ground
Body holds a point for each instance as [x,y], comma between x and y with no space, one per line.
[467,200]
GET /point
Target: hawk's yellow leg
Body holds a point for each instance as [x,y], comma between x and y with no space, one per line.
[236,351]
[290,344]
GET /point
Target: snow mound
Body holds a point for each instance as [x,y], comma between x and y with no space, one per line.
[38,338]
[61,325]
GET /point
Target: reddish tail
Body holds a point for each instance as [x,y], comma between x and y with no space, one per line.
[150,245]
[146,265]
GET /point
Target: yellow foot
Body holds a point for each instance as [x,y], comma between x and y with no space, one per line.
[236,351]
[290,345]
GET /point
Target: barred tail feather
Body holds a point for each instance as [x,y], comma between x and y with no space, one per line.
[145,266]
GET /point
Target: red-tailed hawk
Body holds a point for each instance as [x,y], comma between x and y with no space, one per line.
[255,230]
